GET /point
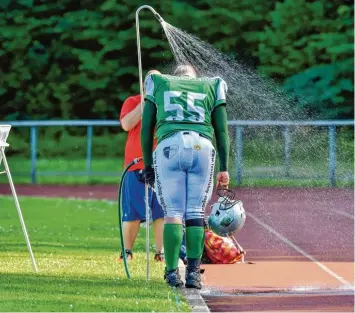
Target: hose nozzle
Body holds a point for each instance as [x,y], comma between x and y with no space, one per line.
[159,18]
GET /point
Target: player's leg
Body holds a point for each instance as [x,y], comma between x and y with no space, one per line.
[199,191]
[133,209]
[158,227]
[182,254]
[130,232]
[171,194]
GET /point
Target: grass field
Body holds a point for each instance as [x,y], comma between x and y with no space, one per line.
[75,243]
[21,171]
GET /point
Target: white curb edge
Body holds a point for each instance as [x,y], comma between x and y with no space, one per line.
[193,296]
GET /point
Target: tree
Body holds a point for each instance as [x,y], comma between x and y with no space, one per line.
[73,59]
[78,59]
[310,44]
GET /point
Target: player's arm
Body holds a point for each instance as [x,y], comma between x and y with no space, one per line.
[220,126]
[131,119]
[147,132]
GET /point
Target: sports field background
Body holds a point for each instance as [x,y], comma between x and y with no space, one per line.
[263,157]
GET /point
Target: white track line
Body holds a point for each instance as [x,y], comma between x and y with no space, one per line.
[336,211]
[339,212]
[298,249]
[342,213]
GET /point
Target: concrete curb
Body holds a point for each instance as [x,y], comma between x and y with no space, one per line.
[193,296]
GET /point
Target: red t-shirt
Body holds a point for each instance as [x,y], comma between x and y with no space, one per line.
[133,145]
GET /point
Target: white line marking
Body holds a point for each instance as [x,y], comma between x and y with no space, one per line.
[340,212]
[298,249]
[343,213]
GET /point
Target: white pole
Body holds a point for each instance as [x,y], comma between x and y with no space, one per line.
[147,215]
[159,18]
[147,223]
[7,170]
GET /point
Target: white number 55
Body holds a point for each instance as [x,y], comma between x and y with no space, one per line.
[191,97]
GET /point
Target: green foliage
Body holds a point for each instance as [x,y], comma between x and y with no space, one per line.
[327,88]
[311,44]
[227,24]
[77,59]
[72,59]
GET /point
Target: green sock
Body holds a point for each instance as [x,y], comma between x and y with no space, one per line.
[172,237]
[195,236]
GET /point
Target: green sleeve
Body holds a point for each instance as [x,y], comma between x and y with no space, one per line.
[147,132]
[220,125]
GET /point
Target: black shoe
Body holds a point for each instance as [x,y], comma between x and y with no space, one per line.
[159,257]
[193,274]
[129,255]
[173,278]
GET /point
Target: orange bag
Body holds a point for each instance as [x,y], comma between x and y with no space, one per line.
[222,250]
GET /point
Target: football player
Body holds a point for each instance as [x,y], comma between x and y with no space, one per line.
[187,112]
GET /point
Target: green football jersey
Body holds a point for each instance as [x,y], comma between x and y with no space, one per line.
[184,103]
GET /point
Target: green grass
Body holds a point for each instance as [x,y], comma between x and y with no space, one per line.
[75,244]
[21,170]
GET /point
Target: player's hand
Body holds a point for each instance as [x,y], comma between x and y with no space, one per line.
[149,176]
[222,180]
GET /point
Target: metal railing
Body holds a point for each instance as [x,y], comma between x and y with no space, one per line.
[239,126]
[287,143]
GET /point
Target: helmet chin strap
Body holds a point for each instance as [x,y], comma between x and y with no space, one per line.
[228,196]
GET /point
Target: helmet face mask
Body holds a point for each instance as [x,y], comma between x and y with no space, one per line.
[227,215]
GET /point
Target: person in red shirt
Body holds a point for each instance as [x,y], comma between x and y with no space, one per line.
[133,189]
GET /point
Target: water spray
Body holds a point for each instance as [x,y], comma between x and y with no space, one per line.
[161,21]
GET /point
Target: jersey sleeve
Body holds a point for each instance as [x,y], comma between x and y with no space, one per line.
[129,105]
[221,92]
[149,86]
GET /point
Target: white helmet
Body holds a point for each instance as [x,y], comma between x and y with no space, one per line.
[227,215]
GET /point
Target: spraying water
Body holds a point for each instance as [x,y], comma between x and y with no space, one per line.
[250,97]
[253,97]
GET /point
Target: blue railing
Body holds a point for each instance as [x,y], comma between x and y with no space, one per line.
[239,125]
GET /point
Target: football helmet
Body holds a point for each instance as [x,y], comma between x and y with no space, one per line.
[227,215]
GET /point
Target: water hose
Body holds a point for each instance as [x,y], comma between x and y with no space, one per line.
[135,161]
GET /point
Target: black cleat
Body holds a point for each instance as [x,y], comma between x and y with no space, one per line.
[159,257]
[193,274]
[173,278]
[129,255]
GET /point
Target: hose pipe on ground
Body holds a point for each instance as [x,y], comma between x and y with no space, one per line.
[135,161]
